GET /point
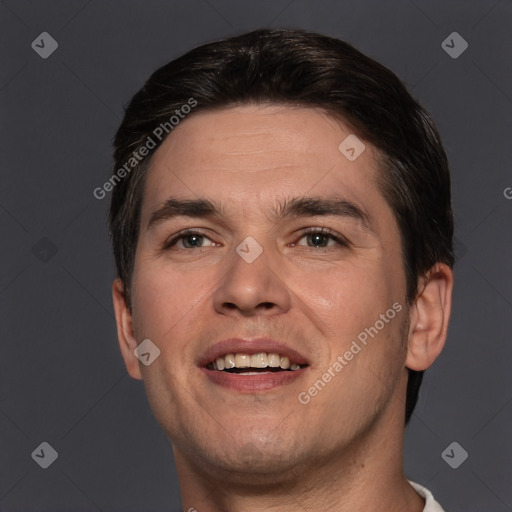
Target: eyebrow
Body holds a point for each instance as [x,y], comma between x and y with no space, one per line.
[294,207]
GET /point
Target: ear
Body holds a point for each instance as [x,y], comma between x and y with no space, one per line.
[429,316]
[125,334]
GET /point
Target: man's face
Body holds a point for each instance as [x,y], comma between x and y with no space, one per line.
[261,268]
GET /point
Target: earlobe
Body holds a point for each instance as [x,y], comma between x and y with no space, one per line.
[125,333]
[429,317]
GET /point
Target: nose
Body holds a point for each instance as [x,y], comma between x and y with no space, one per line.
[249,288]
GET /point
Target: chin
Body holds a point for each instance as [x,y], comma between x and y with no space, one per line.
[247,453]
[252,466]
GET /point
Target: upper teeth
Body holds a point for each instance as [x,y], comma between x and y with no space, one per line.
[261,360]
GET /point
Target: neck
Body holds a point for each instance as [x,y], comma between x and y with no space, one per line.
[366,476]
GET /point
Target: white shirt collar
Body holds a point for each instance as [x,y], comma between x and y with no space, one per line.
[430,504]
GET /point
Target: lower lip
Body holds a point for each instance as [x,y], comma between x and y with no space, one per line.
[252,383]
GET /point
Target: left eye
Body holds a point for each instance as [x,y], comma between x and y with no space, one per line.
[320,239]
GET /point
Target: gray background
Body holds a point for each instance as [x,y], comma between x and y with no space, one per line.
[62,379]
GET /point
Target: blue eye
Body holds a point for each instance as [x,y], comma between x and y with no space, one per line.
[321,238]
[189,239]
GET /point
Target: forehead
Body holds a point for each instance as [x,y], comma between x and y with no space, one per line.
[269,132]
[258,150]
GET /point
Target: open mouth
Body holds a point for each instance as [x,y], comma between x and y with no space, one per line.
[253,364]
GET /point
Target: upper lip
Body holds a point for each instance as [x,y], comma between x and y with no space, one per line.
[250,346]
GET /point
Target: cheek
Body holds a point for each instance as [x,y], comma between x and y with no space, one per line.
[349,293]
[348,302]
[164,296]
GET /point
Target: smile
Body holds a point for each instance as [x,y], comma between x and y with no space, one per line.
[263,362]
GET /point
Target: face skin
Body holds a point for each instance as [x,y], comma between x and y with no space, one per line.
[262,449]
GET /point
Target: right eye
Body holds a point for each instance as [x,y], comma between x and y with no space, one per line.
[189,239]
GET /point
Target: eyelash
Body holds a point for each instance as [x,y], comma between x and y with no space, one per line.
[342,241]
